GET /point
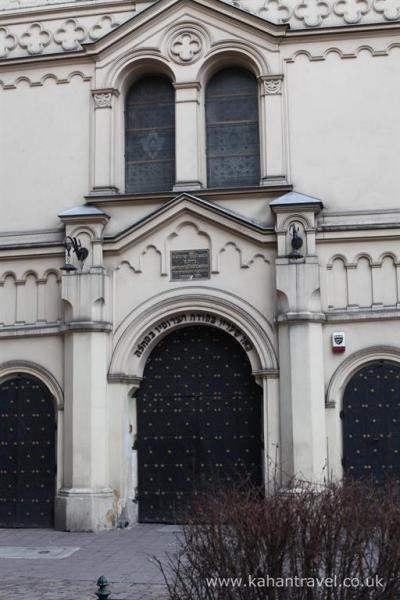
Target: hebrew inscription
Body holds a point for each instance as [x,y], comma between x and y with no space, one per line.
[190,318]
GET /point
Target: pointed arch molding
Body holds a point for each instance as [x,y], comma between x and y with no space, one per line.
[13,367]
[143,329]
[348,367]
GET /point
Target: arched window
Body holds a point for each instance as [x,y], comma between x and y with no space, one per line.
[150,136]
[233,147]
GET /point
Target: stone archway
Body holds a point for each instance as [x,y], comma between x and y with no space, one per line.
[27,452]
[199,420]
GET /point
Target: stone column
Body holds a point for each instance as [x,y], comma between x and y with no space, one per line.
[85,501]
[300,318]
[187,164]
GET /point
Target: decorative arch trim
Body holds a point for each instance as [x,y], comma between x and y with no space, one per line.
[338,257]
[231,53]
[296,217]
[351,365]
[143,328]
[14,367]
[136,64]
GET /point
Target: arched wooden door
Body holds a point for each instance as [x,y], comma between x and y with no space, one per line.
[371,423]
[27,453]
[199,420]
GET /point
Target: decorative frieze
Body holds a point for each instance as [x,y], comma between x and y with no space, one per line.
[8,42]
[102,26]
[70,35]
[351,11]
[185,44]
[390,10]
[54,36]
[304,14]
[35,39]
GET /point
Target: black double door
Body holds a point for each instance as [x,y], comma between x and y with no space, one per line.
[371,423]
[199,421]
[27,454]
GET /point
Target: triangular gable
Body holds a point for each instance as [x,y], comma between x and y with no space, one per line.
[217,8]
[198,208]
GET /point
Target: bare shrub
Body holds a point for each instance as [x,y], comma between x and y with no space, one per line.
[299,544]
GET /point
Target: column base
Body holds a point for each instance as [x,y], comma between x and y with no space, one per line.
[84,510]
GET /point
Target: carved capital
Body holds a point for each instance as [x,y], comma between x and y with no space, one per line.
[103,98]
[272,85]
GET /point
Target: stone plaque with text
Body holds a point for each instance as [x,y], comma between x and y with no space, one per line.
[190,264]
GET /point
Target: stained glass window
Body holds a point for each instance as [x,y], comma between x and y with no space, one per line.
[233,154]
[150,136]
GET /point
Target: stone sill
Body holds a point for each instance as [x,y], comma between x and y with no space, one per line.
[236,193]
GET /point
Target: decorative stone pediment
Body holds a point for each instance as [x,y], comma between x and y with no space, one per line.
[190,208]
[190,241]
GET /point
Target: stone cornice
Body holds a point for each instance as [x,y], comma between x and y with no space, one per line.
[301,317]
[84,326]
[11,11]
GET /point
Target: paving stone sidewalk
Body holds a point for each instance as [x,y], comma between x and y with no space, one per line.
[25,589]
[124,556]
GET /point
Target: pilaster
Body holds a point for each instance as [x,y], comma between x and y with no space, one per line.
[273,167]
[300,318]
[123,451]
[103,141]
[85,501]
[271,434]
[187,164]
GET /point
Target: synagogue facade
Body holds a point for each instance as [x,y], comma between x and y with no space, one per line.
[199,252]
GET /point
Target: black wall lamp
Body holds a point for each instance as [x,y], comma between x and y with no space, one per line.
[74,244]
[296,242]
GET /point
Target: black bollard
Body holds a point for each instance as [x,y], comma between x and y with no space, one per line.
[103,591]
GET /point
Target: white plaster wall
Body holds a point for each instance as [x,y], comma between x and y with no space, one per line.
[44,149]
[44,351]
[344,128]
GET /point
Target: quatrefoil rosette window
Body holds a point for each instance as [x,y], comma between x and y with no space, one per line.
[186,45]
